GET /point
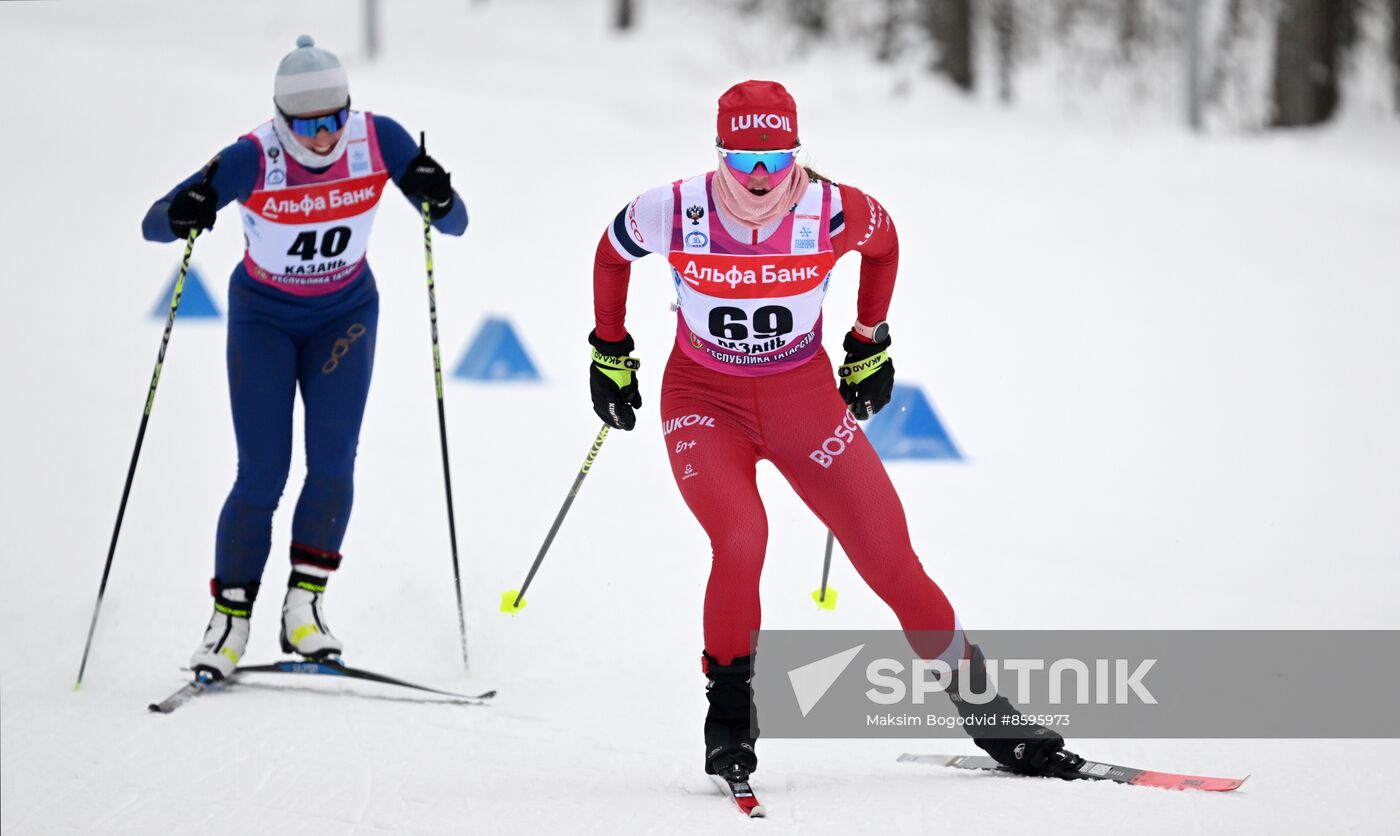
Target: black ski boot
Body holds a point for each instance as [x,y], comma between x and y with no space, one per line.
[1029,748]
[730,733]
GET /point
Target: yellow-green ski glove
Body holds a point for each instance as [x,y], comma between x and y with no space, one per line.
[867,376]
[612,378]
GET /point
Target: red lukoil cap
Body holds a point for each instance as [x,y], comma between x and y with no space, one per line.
[756,116]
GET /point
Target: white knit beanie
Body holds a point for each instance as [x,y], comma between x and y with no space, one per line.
[310,80]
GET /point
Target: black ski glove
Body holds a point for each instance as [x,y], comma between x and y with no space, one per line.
[612,377]
[193,207]
[867,377]
[425,179]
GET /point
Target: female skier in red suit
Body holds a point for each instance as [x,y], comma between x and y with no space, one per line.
[751,246]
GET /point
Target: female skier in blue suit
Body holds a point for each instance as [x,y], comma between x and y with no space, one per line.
[303,313]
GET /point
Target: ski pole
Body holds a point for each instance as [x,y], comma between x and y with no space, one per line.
[513,601]
[442,411]
[141,433]
[826,596]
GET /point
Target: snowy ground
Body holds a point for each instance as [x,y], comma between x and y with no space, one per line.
[1173,363]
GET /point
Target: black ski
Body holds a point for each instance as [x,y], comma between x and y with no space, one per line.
[335,667]
[199,685]
[204,683]
[1088,770]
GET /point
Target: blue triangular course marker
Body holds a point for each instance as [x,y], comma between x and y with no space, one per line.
[908,428]
[496,354]
[195,301]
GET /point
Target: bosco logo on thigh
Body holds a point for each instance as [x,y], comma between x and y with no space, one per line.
[837,443]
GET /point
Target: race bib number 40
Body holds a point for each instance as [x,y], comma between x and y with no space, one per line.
[317,230]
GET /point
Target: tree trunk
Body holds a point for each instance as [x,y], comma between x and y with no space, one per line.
[1129,28]
[371,29]
[1224,57]
[891,22]
[809,15]
[626,15]
[1305,64]
[1004,39]
[950,24]
[1395,48]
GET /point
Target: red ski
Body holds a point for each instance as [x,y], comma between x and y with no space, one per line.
[742,795]
[1088,770]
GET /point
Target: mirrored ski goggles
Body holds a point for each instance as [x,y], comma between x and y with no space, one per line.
[309,126]
[744,162]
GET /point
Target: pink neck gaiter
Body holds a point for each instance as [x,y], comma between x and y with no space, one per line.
[755,210]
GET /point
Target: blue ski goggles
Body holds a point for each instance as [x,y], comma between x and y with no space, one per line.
[310,126]
[744,162]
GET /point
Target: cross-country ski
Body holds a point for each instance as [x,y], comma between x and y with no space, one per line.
[735,786]
[201,684]
[1086,770]
[331,667]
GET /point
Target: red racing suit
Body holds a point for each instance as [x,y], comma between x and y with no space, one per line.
[748,380]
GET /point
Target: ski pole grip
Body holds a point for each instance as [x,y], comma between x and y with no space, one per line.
[423,151]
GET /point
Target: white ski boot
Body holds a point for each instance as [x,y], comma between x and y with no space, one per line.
[226,637]
[304,629]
